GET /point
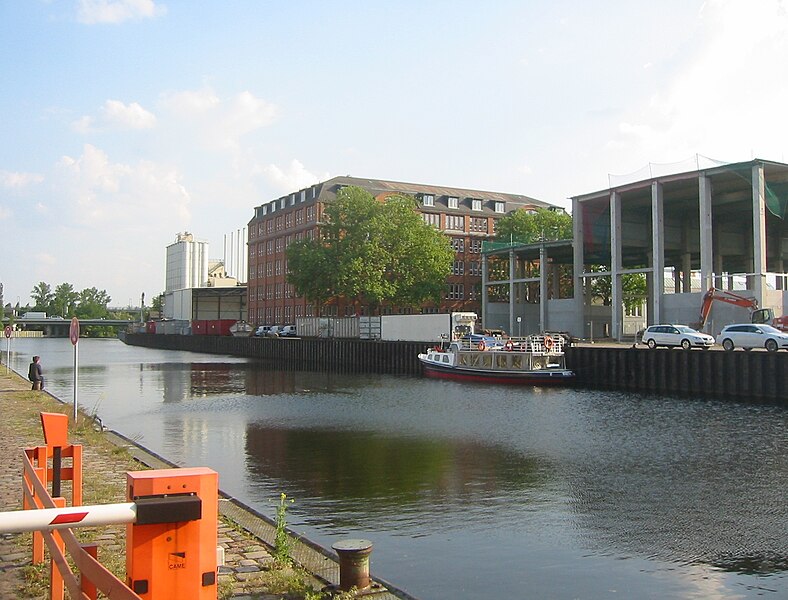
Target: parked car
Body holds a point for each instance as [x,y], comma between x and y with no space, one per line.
[676,335]
[749,336]
[274,330]
[288,331]
[262,331]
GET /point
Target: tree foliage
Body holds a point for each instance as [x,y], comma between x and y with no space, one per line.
[65,301]
[371,252]
[527,226]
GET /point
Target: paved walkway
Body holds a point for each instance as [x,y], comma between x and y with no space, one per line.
[247,558]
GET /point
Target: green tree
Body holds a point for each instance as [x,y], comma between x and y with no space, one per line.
[527,226]
[634,288]
[64,300]
[92,304]
[43,296]
[371,252]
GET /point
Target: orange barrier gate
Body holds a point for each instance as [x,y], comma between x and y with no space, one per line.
[171,535]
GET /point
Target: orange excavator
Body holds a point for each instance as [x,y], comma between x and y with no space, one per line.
[757,315]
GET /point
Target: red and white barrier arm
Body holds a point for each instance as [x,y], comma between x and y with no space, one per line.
[73,516]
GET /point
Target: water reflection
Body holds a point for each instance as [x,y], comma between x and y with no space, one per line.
[371,477]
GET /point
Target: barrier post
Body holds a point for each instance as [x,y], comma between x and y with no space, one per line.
[88,587]
[56,583]
[171,549]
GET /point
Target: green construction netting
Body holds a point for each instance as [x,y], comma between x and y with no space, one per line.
[777,199]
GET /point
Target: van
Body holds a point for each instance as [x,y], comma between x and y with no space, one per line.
[288,331]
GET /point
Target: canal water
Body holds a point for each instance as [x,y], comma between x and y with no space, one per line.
[468,491]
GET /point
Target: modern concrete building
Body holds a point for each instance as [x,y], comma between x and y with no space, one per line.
[723,226]
[466,216]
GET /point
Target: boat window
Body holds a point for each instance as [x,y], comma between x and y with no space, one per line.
[446,359]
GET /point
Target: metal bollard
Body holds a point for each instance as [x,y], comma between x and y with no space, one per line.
[353,563]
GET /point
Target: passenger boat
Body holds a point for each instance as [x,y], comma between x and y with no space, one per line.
[532,360]
[241,329]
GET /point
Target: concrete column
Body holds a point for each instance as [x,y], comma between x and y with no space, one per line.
[617,312]
[512,295]
[484,289]
[543,268]
[577,268]
[686,272]
[657,288]
[706,242]
[758,233]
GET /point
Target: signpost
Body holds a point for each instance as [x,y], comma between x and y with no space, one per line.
[73,334]
[8,333]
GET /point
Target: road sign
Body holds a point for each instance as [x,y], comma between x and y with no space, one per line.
[8,331]
[73,331]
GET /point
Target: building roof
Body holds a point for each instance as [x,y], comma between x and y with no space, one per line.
[327,190]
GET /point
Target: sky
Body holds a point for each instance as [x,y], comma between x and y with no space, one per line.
[125,122]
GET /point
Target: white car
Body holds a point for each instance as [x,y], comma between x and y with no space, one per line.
[751,335]
[676,335]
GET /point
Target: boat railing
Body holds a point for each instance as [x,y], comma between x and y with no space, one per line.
[535,344]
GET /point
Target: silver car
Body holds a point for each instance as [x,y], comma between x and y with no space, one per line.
[676,335]
[751,335]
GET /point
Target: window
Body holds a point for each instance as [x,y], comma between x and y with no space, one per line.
[455,222]
[269,247]
[474,268]
[265,209]
[458,268]
[475,246]
[458,244]
[479,224]
[292,199]
[278,314]
[500,207]
[288,220]
[279,244]
[273,206]
[269,269]
[476,204]
[299,216]
[456,291]
[453,201]
[303,195]
[279,291]
[433,219]
[279,267]
[288,313]
[299,311]
[428,200]
[310,213]
[279,223]
[269,226]
[282,202]
[260,249]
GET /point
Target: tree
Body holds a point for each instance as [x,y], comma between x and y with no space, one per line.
[372,252]
[42,295]
[92,304]
[527,226]
[64,300]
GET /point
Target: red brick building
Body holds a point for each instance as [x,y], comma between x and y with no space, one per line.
[466,216]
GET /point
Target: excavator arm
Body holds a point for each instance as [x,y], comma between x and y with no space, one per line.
[715,294]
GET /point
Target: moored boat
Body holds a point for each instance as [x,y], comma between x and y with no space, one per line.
[241,329]
[532,360]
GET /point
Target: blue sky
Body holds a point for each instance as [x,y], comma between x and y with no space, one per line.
[127,121]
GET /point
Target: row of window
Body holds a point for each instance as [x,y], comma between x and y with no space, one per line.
[280,244]
[271,291]
[456,222]
[474,268]
[474,246]
[454,202]
[285,201]
[286,221]
[454,291]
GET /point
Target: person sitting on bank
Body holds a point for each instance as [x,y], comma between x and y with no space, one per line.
[35,374]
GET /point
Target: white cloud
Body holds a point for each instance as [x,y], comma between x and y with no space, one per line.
[101,191]
[725,100]
[116,115]
[293,177]
[91,12]
[19,181]
[4,213]
[220,123]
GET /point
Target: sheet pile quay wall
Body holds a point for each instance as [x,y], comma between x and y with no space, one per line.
[742,376]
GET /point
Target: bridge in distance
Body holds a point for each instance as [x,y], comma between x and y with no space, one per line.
[60,327]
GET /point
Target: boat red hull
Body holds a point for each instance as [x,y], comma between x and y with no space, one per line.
[526,378]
